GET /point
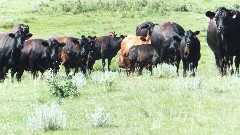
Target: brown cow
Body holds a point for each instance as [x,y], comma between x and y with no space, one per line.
[126,44]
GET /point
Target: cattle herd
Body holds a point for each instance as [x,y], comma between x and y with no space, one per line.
[152,44]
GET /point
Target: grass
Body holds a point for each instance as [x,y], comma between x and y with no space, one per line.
[206,104]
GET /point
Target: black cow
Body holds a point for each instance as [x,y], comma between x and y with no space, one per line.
[37,55]
[223,37]
[144,29]
[190,51]
[165,39]
[10,50]
[142,55]
[107,48]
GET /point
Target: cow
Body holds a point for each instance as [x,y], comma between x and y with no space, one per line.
[165,39]
[142,55]
[74,53]
[10,50]
[107,48]
[190,51]
[37,55]
[127,43]
[223,37]
[145,29]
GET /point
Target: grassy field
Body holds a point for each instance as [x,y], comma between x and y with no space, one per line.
[160,104]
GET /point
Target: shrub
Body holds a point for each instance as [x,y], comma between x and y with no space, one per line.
[165,70]
[106,80]
[47,118]
[63,87]
[98,118]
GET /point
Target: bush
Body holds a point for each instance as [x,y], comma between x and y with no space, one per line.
[165,70]
[98,118]
[106,80]
[62,87]
[47,118]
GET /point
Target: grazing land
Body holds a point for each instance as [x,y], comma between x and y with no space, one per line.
[160,104]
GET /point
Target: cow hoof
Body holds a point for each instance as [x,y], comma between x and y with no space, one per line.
[192,75]
[184,75]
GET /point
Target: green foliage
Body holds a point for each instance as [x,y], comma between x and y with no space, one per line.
[7,25]
[78,6]
[47,118]
[63,87]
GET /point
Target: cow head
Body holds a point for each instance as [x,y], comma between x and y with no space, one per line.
[54,48]
[112,34]
[20,38]
[223,18]
[189,42]
[91,51]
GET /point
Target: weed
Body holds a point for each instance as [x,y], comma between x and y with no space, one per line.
[98,118]
[47,118]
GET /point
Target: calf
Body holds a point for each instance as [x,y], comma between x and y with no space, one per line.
[190,51]
[143,55]
[36,55]
[127,43]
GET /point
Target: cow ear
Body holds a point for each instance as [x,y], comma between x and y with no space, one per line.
[176,38]
[234,16]
[143,38]
[11,35]
[76,42]
[196,32]
[181,34]
[62,44]
[45,44]
[121,36]
[28,36]
[210,14]
[82,36]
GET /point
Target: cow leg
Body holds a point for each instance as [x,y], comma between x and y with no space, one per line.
[130,67]
[19,75]
[5,71]
[230,65]
[103,64]
[185,66]
[1,74]
[109,63]
[236,61]
[140,69]
[67,69]
[217,63]
[13,71]
[192,66]
[150,69]
[177,65]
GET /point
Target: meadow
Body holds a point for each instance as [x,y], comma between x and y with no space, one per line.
[111,102]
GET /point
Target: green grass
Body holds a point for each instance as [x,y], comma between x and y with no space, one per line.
[206,104]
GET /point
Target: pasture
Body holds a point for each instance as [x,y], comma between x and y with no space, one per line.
[160,104]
